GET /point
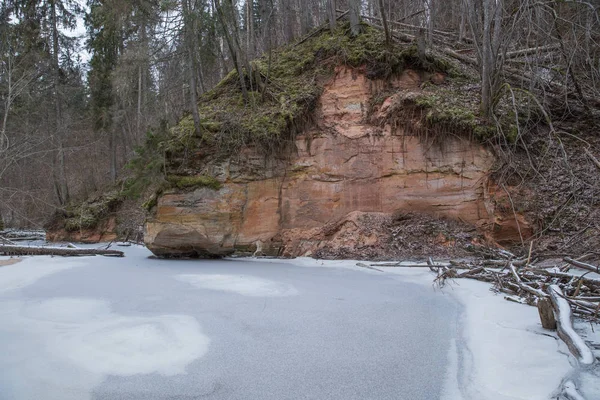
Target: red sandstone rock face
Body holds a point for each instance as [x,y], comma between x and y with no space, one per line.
[105,232]
[344,166]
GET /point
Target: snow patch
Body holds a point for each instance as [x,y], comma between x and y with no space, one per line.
[83,337]
[124,346]
[240,284]
[570,391]
[512,356]
[18,276]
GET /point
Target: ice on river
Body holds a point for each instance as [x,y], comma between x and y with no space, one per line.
[139,328]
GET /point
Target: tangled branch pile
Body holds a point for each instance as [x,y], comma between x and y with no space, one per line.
[525,282]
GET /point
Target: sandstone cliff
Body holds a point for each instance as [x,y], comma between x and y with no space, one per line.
[352,177]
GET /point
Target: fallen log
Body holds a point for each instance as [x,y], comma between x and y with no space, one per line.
[555,274]
[532,50]
[582,265]
[12,250]
[26,238]
[4,240]
[23,235]
[564,326]
[399,265]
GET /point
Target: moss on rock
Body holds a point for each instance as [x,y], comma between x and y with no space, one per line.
[290,82]
[199,181]
[90,213]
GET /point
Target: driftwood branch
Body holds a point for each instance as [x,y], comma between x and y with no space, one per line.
[363,265]
[12,250]
[523,286]
[564,327]
[582,265]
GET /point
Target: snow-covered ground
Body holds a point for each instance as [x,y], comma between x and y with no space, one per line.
[141,328]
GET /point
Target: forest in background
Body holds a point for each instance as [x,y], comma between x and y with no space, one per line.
[68,128]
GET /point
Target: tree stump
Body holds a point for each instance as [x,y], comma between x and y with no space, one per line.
[546,314]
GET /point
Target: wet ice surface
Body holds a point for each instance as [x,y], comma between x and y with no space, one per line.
[138,328]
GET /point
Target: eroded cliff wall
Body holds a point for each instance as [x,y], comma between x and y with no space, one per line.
[350,174]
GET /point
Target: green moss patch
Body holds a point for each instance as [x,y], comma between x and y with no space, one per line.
[437,111]
[195,182]
[284,91]
[90,213]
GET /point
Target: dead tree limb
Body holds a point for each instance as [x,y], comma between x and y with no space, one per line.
[582,265]
[592,157]
[319,30]
[525,287]
[363,265]
[12,250]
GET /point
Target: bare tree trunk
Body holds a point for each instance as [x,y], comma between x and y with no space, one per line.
[7,105]
[289,15]
[486,59]
[422,46]
[233,43]
[190,37]
[112,148]
[331,15]
[249,27]
[384,22]
[463,21]
[306,20]
[58,131]
[429,15]
[139,105]
[354,6]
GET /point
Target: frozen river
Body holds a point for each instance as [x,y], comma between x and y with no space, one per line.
[140,328]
